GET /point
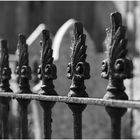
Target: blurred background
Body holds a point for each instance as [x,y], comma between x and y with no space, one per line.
[25,16]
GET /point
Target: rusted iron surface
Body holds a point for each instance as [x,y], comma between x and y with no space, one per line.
[5,75]
[47,73]
[78,70]
[134,104]
[116,68]
[23,71]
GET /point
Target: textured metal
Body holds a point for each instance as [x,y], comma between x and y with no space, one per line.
[47,73]
[134,104]
[78,70]
[5,75]
[24,75]
[116,68]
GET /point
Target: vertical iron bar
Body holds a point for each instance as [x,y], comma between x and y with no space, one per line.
[5,75]
[47,124]
[5,131]
[24,75]
[47,73]
[116,128]
[77,125]
[24,122]
[78,71]
[116,68]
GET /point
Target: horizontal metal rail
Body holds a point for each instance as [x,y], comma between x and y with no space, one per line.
[90,101]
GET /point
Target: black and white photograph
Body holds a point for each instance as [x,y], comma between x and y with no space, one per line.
[69,69]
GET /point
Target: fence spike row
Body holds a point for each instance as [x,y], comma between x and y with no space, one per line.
[78,70]
[24,75]
[47,72]
[5,75]
[116,68]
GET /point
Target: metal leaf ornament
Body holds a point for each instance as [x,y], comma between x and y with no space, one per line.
[78,68]
[5,71]
[23,69]
[47,70]
[117,65]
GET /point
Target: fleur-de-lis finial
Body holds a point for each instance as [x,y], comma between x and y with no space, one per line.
[117,65]
[23,69]
[116,68]
[5,71]
[78,69]
[47,70]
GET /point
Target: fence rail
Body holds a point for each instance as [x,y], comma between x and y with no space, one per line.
[89,101]
[115,69]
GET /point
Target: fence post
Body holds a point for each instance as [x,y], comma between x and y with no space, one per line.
[116,68]
[5,75]
[47,72]
[78,70]
[24,75]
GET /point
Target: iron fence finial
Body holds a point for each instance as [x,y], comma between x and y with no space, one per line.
[47,73]
[5,75]
[116,68]
[5,71]
[23,71]
[78,70]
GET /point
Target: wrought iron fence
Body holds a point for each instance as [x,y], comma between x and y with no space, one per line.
[115,68]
